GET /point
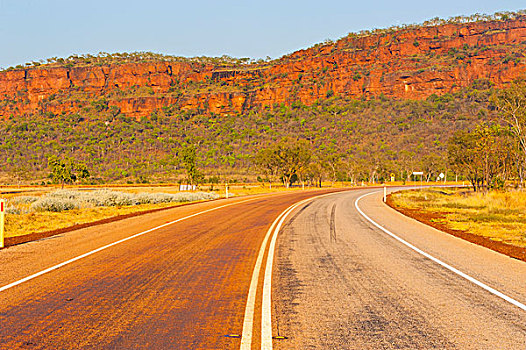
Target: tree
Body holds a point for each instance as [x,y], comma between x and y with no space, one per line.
[266,163]
[287,159]
[494,151]
[432,165]
[463,158]
[21,172]
[66,170]
[511,103]
[484,155]
[332,163]
[193,174]
[316,172]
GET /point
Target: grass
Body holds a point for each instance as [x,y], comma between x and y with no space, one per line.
[499,216]
[19,225]
[59,209]
[31,221]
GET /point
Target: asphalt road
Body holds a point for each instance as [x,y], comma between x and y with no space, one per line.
[343,283]
[337,282]
[182,286]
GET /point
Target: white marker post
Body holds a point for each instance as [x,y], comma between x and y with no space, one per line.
[2,220]
[226,190]
[385,194]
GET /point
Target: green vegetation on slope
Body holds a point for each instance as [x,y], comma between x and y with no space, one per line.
[374,138]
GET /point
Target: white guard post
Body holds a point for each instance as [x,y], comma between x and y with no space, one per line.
[2,221]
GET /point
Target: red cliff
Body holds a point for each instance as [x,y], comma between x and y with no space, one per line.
[409,63]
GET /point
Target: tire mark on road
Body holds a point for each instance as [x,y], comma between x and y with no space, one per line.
[332,224]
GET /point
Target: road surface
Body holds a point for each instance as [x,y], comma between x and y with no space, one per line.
[335,281]
[343,283]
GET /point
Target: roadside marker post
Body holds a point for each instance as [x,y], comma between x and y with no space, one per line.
[226,190]
[385,194]
[2,220]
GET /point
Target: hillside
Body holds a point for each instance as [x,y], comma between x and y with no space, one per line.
[374,137]
[413,62]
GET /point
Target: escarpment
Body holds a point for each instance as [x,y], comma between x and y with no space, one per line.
[410,63]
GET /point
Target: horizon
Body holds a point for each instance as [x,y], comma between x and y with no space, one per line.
[44,49]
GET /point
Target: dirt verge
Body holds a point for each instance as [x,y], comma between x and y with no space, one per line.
[433,219]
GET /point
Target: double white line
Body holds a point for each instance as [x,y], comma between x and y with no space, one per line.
[266,317]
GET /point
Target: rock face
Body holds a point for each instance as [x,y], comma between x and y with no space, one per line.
[409,63]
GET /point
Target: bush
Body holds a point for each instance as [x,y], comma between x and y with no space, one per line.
[106,198]
[12,210]
[65,194]
[23,200]
[61,200]
[54,204]
[154,198]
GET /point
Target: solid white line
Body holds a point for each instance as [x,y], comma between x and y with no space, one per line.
[28,278]
[441,263]
[248,322]
[266,304]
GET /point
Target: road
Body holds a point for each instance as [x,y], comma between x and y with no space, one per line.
[335,281]
[342,283]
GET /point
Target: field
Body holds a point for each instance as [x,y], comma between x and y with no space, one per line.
[496,216]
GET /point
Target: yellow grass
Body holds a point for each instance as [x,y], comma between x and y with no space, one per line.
[18,225]
[500,216]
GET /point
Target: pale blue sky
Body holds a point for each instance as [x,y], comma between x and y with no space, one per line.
[35,29]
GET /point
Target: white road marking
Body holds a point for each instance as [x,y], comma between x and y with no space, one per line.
[440,262]
[55,267]
[266,316]
[248,322]
[266,305]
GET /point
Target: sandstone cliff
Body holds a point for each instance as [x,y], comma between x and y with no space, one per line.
[408,63]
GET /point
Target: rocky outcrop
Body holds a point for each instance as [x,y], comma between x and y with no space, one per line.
[408,63]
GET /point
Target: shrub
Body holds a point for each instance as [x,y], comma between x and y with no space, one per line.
[54,204]
[106,198]
[64,194]
[154,198]
[61,200]
[23,200]
[12,210]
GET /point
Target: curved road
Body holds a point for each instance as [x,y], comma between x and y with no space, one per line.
[336,281]
[343,283]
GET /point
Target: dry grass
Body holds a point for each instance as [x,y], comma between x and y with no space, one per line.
[28,212]
[500,216]
[33,222]
[18,225]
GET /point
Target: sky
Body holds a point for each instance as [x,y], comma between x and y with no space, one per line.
[38,29]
